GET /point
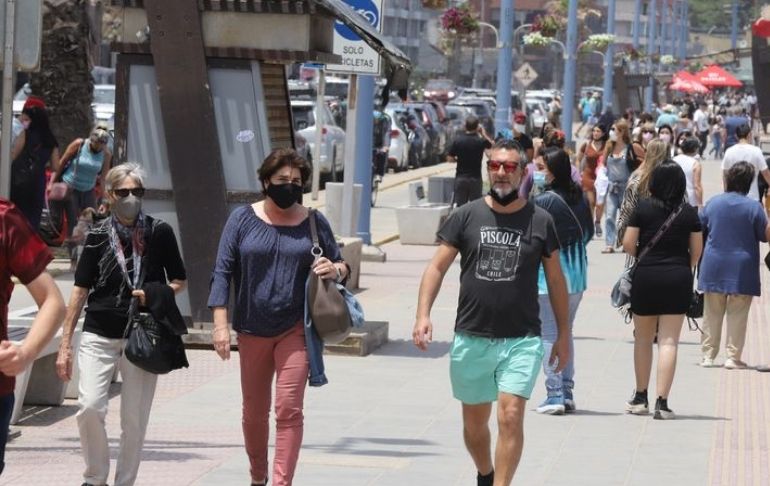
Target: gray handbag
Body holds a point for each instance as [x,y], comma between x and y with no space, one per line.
[328,308]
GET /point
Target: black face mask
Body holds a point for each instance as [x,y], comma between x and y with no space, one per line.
[284,195]
[504,200]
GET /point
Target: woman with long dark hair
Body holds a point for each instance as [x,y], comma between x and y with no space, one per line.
[41,149]
[588,157]
[662,282]
[565,202]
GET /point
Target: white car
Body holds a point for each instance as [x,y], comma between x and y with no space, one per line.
[537,111]
[104,105]
[398,154]
[304,116]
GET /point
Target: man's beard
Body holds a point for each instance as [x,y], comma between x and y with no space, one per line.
[504,196]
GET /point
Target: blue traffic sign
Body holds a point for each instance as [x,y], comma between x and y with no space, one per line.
[368,9]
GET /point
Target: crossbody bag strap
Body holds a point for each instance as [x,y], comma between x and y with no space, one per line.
[660,232]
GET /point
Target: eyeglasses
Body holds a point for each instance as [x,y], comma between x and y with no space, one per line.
[136,191]
[648,131]
[508,167]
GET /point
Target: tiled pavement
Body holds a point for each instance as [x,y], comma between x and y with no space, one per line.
[389,418]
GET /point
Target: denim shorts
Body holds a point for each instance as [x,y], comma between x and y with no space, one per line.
[482,367]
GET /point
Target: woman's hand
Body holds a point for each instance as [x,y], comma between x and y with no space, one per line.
[64,362]
[220,338]
[325,269]
[141,296]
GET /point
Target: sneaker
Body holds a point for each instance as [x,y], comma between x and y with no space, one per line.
[378,178]
[735,364]
[638,405]
[569,401]
[487,480]
[552,406]
[707,362]
[598,229]
[662,412]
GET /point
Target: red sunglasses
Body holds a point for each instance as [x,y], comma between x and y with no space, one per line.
[508,167]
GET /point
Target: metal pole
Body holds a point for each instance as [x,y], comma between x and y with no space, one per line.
[504,66]
[350,159]
[637,27]
[607,96]
[7,126]
[319,110]
[676,27]
[570,65]
[651,49]
[734,27]
[685,31]
[364,144]
[665,24]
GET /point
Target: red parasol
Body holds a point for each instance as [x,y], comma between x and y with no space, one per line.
[716,76]
[687,83]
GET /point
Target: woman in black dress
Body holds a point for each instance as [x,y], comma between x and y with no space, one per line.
[663,281]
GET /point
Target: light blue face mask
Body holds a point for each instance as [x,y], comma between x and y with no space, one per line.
[538,179]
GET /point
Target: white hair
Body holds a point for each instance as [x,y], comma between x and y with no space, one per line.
[119,173]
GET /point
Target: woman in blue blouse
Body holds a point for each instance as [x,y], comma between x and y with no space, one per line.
[265,251]
[563,198]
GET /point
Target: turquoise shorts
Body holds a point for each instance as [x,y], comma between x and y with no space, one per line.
[482,367]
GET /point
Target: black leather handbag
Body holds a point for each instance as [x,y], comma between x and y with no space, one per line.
[152,346]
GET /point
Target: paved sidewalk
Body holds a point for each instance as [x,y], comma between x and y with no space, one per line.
[389,418]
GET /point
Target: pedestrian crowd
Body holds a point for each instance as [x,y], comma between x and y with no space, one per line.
[524,269]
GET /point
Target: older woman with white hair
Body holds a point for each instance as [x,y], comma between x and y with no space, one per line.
[122,256]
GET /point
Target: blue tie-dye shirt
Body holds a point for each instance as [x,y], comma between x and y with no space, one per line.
[573,235]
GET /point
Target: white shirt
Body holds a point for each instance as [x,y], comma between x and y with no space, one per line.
[701,120]
[747,153]
[687,163]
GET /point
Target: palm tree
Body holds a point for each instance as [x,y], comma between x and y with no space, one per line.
[64,80]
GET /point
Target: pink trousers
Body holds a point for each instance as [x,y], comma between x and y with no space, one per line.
[285,357]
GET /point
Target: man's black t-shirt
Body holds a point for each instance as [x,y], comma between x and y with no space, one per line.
[500,258]
[110,295]
[469,148]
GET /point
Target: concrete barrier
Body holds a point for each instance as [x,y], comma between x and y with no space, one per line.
[417,225]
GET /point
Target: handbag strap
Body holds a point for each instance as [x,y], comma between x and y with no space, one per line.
[316,250]
[660,232]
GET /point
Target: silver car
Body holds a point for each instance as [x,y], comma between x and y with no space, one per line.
[304,116]
[104,105]
[398,155]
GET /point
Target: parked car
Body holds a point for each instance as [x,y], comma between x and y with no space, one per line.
[436,131]
[103,105]
[456,116]
[483,111]
[398,154]
[440,90]
[419,140]
[537,114]
[304,117]
[20,97]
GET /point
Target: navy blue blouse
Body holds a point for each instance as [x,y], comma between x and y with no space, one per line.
[269,265]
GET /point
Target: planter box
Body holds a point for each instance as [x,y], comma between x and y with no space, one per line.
[417,225]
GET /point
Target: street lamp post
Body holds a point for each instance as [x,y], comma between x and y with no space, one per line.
[684,30]
[637,27]
[504,64]
[570,66]
[651,24]
[734,26]
[608,64]
[480,49]
[516,43]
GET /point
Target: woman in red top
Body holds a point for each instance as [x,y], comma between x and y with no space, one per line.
[588,157]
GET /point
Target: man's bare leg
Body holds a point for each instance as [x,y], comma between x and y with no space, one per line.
[510,438]
[477,436]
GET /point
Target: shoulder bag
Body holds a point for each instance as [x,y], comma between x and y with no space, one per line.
[621,292]
[60,190]
[329,301]
[150,345]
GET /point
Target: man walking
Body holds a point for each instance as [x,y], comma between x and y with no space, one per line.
[744,151]
[702,126]
[468,151]
[25,256]
[497,351]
